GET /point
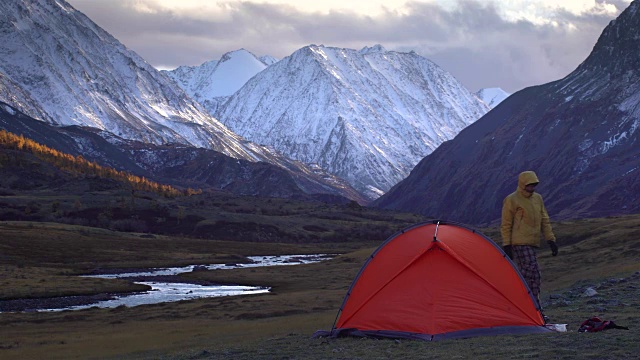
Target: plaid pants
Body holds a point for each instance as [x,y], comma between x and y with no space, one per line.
[526,260]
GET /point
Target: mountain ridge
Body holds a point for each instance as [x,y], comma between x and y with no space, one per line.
[578,133]
[492,96]
[213,82]
[364,115]
[75,73]
[179,165]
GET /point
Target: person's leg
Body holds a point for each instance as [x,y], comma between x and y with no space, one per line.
[527,262]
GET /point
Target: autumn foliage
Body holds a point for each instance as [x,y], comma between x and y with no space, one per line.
[79,165]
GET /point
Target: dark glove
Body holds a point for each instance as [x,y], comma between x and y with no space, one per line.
[554,247]
[508,251]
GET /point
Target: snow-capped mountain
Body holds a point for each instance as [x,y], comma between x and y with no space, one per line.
[75,73]
[367,116]
[268,59]
[492,96]
[214,81]
[80,75]
[579,134]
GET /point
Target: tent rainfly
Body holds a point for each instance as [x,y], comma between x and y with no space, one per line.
[437,280]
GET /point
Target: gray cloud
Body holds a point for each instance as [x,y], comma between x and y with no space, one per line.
[472,41]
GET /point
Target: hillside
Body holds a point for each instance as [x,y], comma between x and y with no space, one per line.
[181,165]
[57,66]
[57,223]
[19,152]
[578,134]
[38,183]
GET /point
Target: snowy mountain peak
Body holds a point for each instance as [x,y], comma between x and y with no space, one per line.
[212,82]
[79,74]
[236,53]
[492,96]
[616,49]
[268,59]
[580,134]
[367,116]
[373,49]
[59,66]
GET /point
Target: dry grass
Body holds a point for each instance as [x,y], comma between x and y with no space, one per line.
[304,298]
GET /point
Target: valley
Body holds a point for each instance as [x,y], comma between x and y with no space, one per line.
[109,164]
[42,259]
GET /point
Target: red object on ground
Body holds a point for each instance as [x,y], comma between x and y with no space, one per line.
[437,281]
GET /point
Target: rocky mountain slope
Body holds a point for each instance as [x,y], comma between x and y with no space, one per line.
[80,75]
[367,116]
[57,66]
[578,133]
[181,165]
[213,82]
[492,96]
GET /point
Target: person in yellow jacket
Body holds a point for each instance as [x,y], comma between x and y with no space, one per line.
[524,221]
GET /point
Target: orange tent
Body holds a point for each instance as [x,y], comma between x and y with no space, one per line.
[438,280]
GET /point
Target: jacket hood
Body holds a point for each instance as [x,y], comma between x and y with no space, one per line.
[525,178]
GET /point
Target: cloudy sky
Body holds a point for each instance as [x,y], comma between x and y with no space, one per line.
[510,44]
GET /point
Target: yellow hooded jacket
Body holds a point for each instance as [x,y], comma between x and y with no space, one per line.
[524,217]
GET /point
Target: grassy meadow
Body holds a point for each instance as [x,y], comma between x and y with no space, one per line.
[42,259]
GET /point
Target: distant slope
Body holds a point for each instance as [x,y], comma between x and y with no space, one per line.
[214,81]
[60,67]
[492,96]
[367,116]
[578,133]
[80,75]
[179,164]
[75,166]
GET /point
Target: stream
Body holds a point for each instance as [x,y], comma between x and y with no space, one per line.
[162,290]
